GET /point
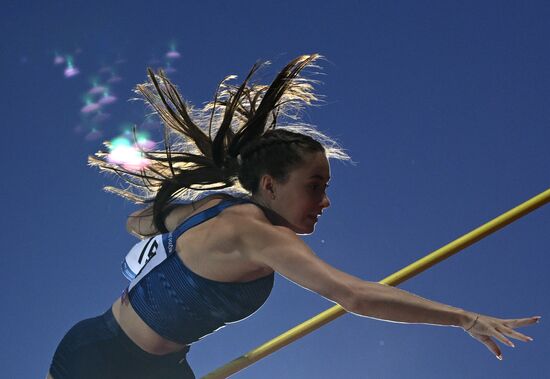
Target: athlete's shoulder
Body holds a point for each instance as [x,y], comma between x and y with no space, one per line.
[257,227]
[183,211]
[249,211]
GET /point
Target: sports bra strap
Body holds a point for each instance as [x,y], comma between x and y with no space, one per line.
[205,215]
[149,253]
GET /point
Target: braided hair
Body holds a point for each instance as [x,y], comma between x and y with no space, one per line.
[245,146]
[276,153]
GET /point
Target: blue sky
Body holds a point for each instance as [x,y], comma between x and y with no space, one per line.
[443,105]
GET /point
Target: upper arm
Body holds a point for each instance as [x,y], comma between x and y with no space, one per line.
[140,223]
[283,251]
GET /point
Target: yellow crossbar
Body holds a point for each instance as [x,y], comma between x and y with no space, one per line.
[400,276]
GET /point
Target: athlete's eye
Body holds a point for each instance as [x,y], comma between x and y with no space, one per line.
[315,187]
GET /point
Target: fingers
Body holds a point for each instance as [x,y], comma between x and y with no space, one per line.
[499,336]
[491,345]
[488,327]
[512,333]
[517,323]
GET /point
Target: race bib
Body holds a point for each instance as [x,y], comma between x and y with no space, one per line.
[145,256]
[149,253]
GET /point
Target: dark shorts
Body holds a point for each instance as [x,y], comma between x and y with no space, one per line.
[99,348]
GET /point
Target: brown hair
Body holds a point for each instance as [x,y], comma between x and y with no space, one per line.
[246,143]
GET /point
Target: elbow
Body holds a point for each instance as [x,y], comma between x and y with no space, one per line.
[364,298]
[131,228]
[352,298]
[135,229]
[130,225]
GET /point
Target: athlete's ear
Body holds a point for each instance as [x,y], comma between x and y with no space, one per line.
[266,185]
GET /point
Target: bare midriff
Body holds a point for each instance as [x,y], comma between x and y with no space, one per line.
[140,333]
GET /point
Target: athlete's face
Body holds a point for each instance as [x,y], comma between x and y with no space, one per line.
[302,198]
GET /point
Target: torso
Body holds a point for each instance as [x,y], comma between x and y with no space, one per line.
[212,250]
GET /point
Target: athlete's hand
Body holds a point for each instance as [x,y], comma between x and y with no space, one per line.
[485,328]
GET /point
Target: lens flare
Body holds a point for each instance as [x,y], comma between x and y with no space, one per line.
[70,70]
[90,107]
[144,142]
[97,88]
[107,98]
[169,69]
[128,155]
[101,117]
[58,59]
[173,54]
[114,79]
[93,135]
[105,69]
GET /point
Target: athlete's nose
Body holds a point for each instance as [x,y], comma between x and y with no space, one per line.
[326,201]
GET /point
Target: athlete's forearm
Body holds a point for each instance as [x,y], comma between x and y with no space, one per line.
[389,303]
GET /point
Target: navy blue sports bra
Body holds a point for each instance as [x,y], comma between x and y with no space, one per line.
[175,302]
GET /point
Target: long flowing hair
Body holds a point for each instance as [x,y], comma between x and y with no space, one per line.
[204,148]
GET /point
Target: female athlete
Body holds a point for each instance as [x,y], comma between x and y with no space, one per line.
[204,261]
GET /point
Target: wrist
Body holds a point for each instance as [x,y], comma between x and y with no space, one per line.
[466,319]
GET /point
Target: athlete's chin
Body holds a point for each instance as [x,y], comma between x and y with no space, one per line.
[305,230]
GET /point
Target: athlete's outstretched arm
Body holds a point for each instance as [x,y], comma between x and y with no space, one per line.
[282,250]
